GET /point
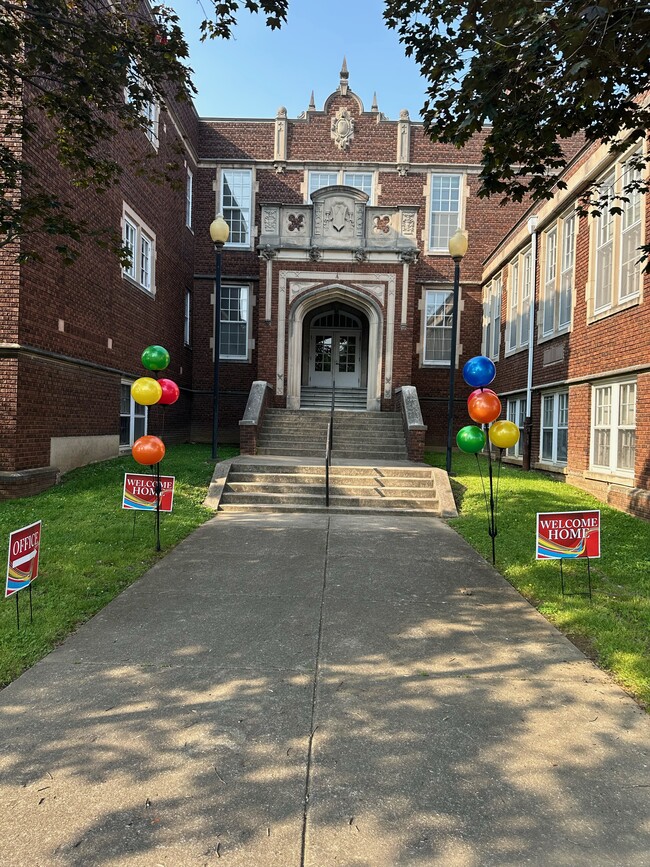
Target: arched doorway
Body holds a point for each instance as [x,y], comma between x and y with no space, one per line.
[335,349]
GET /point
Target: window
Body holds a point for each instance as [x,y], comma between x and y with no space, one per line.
[189,195]
[519,294]
[492,318]
[236,205]
[615,269]
[437,326]
[559,260]
[613,435]
[359,180]
[555,427]
[149,109]
[150,112]
[140,241]
[444,214]
[516,413]
[133,417]
[187,318]
[233,342]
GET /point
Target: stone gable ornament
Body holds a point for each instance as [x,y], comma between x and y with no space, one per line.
[342,128]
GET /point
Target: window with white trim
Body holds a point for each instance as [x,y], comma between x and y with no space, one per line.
[234,323]
[437,326]
[519,295]
[444,210]
[189,196]
[616,238]
[236,202]
[363,181]
[133,417]
[140,242]
[613,427]
[149,109]
[492,318]
[516,413]
[555,428]
[187,319]
[559,260]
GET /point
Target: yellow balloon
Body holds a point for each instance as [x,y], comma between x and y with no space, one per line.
[146,391]
[504,434]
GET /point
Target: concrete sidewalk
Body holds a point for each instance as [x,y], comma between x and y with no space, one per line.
[312,690]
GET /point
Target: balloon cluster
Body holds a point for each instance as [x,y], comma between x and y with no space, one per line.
[147,391]
[484,407]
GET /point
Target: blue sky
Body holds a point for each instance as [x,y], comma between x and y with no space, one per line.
[259,70]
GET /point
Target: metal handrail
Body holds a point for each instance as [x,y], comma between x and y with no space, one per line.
[327,464]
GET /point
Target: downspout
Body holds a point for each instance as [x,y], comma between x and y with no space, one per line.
[528,421]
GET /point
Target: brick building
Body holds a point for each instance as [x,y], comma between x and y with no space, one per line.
[337,266]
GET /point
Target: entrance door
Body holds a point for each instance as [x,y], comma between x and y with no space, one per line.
[335,354]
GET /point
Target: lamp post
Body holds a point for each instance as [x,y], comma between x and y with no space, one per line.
[219,232]
[457,249]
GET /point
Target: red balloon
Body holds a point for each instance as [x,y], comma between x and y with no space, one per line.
[170,392]
[148,450]
[484,407]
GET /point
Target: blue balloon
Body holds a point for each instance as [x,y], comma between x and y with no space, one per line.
[479,371]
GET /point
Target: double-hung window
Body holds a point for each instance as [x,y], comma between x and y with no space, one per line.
[519,294]
[437,326]
[616,238]
[133,417]
[492,318]
[234,323]
[613,427]
[140,243]
[363,181]
[555,427]
[516,413]
[445,210]
[236,205]
[559,261]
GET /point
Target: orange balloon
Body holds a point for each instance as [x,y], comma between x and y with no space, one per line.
[148,450]
[484,407]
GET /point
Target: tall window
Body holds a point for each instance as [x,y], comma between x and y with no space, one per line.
[555,427]
[516,413]
[236,205]
[437,326]
[140,242]
[359,180]
[189,196]
[616,270]
[549,281]
[559,260]
[492,317]
[187,318]
[526,296]
[234,323]
[613,434]
[444,214]
[133,417]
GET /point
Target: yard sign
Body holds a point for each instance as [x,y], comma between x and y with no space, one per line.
[140,492]
[22,560]
[572,535]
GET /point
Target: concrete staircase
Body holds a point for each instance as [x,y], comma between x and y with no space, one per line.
[267,487]
[368,436]
[353,399]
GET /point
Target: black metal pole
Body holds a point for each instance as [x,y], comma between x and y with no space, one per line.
[217,339]
[17,613]
[452,361]
[493,530]
[158,490]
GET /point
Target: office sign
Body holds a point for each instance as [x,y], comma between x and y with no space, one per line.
[22,560]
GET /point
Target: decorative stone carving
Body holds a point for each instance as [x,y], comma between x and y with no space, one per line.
[409,257]
[315,254]
[338,217]
[360,254]
[342,128]
[318,218]
[279,168]
[402,170]
[270,220]
[408,223]
[267,252]
[296,222]
[381,224]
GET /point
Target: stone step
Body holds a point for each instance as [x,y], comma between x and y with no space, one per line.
[315,479]
[376,472]
[333,509]
[268,499]
[365,490]
[370,455]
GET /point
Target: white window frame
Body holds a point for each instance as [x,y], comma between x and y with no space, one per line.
[518,300]
[142,269]
[492,317]
[339,176]
[610,264]
[559,403]
[187,318]
[245,208]
[149,111]
[189,197]
[558,280]
[246,289]
[135,410]
[457,222]
[429,296]
[611,422]
[516,413]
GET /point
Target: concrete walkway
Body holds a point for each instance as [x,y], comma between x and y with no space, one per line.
[313,690]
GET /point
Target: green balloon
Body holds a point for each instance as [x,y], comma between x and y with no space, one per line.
[155,358]
[470,439]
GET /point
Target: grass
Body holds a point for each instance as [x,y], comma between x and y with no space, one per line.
[89,548]
[614,627]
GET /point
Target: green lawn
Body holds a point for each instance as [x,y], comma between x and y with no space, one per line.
[614,627]
[89,548]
